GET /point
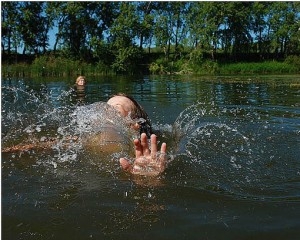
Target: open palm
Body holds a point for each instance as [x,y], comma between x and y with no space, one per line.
[148,161]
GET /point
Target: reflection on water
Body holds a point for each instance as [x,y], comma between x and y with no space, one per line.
[235,171]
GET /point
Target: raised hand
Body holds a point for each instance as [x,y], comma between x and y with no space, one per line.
[148,162]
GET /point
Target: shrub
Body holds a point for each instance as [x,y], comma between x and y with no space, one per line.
[196,57]
[293,60]
[257,68]
[159,66]
[127,60]
[156,68]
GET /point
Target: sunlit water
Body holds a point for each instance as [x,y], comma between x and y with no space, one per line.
[233,153]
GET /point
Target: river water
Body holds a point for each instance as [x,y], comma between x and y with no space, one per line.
[233,152]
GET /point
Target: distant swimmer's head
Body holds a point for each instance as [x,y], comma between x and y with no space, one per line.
[129,107]
[81,81]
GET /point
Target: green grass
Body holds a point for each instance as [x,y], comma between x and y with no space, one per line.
[49,66]
[267,67]
[57,66]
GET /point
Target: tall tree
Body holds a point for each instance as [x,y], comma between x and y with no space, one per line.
[284,23]
[170,25]
[78,23]
[124,33]
[10,37]
[293,46]
[258,25]
[146,12]
[124,30]
[55,12]
[238,20]
[207,26]
[33,26]
[95,30]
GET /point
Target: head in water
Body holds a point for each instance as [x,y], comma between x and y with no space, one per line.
[80,81]
[127,106]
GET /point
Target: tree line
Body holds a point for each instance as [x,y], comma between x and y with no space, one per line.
[127,34]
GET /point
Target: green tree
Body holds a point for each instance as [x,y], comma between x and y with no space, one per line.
[33,27]
[116,33]
[124,34]
[99,40]
[145,13]
[238,20]
[258,25]
[124,30]
[284,23]
[10,37]
[73,30]
[170,27]
[207,26]
[55,12]
[293,45]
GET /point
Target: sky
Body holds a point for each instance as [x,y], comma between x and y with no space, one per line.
[52,37]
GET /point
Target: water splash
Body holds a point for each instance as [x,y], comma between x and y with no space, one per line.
[240,150]
[55,133]
[229,149]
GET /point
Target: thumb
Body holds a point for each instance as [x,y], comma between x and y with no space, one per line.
[125,165]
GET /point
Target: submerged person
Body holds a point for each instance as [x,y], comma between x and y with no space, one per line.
[79,87]
[103,135]
[148,161]
[80,81]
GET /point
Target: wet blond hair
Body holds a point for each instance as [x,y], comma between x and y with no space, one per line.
[79,77]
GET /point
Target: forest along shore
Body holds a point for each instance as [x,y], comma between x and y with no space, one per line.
[149,38]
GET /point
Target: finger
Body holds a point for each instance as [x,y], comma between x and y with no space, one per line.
[153,146]
[138,148]
[144,143]
[125,165]
[163,156]
[163,148]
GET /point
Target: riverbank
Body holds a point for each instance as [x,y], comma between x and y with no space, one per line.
[53,67]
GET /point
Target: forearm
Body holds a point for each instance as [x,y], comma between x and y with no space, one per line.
[30,146]
[35,144]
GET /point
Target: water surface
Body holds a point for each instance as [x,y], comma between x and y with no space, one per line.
[234,170]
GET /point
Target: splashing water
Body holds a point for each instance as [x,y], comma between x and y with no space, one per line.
[32,121]
[235,171]
[229,149]
[237,150]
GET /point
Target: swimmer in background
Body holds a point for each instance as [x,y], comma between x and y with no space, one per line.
[80,81]
[79,85]
[148,160]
